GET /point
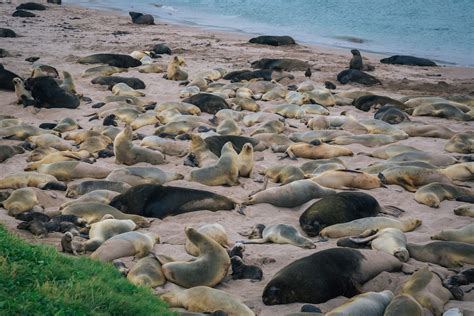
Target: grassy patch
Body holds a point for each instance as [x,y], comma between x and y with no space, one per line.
[37,280]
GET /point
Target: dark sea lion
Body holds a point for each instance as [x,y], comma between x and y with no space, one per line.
[208,103]
[6,79]
[329,85]
[453,283]
[8,151]
[356,60]
[273,40]
[327,274]
[242,271]
[4,32]
[29,216]
[240,75]
[140,18]
[408,60]
[31,6]
[366,102]
[391,115]
[37,228]
[160,201]
[110,81]
[47,93]
[286,64]
[161,49]
[449,254]
[54,1]
[354,75]
[23,14]
[341,207]
[115,60]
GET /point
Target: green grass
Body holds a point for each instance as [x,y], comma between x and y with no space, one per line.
[37,280]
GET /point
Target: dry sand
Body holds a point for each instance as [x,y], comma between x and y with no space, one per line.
[63,33]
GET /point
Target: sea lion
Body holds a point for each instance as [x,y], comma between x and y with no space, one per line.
[141,175]
[442,110]
[161,48]
[465,210]
[242,271]
[99,196]
[461,143]
[343,179]
[23,95]
[23,14]
[93,212]
[411,178]
[147,272]
[31,179]
[31,6]
[183,108]
[315,109]
[167,147]
[174,72]
[463,234]
[286,64]
[214,231]
[228,127]
[66,125]
[246,160]
[391,115]
[366,102]
[208,269]
[309,166]
[290,195]
[6,79]
[317,150]
[49,140]
[278,234]
[160,201]
[248,75]
[338,208]
[356,60]
[115,60]
[408,60]
[152,68]
[74,190]
[370,303]
[301,282]
[102,71]
[288,111]
[69,170]
[129,154]
[20,201]
[140,18]
[272,40]
[274,127]
[8,151]
[354,75]
[224,172]
[68,83]
[22,132]
[47,93]
[123,89]
[460,171]
[358,226]
[404,304]
[57,156]
[454,282]
[434,193]
[428,290]
[110,81]
[207,102]
[368,140]
[206,299]
[4,32]
[125,245]
[449,254]
[390,151]
[283,174]
[439,160]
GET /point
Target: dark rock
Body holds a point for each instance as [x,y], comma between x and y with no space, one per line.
[4,32]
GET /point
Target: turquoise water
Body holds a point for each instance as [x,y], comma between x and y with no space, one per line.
[442,30]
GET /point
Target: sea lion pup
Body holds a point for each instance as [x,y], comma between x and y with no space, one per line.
[358,226]
[126,245]
[24,96]
[224,172]
[428,290]
[69,170]
[174,72]
[20,200]
[208,269]
[410,178]
[464,210]
[389,240]
[344,179]
[283,174]
[341,207]
[449,254]
[404,304]
[31,179]
[68,83]
[455,281]
[463,234]
[140,18]
[214,231]
[242,271]
[391,115]
[115,60]
[461,171]
[316,150]
[367,101]
[93,212]
[158,201]
[206,299]
[434,193]
[107,228]
[370,303]
[290,195]
[182,107]
[147,272]
[22,132]
[461,143]
[74,190]
[312,280]
[207,102]
[356,60]
[8,151]
[278,234]
[41,157]
[246,160]
[129,154]
[141,175]
[228,127]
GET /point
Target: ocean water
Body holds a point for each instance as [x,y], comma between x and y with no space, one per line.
[442,30]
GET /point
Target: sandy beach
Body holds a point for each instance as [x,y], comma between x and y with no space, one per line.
[63,33]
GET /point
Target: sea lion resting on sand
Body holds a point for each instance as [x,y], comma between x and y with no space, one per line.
[463,234]
[84,187]
[343,179]
[449,254]
[8,151]
[116,60]
[147,272]
[404,304]
[214,231]
[465,210]
[278,234]
[20,200]
[434,193]
[69,170]
[410,178]
[461,143]
[142,175]
[31,179]
[128,153]
[370,303]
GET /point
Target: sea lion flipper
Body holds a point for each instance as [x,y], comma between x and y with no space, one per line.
[392,210]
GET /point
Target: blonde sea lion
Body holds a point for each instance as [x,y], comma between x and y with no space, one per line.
[465,210]
[358,226]
[278,234]
[174,72]
[214,231]
[206,299]
[152,68]
[208,269]
[461,171]
[167,147]
[463,234]
[177,128]
[229,127]
[102,71]
[390,240]
[98,196]
[123,89]
[434,193]
[68,83]
[147,272]
[224,172]
[288,111]
[70,170]
[23,96]
[22,132]
[246,160]
[20,200]
[259,117]
[141,175]
[370,303]
[31,179]
[442,110]
[95,144]
[326,122]
[449,254]
[404,304]
[315,109]
[183,108]
[343,179]
[188,91]
[320,96]
[296,98]
[283,174]
[411,178]
[129,154]
[316,150]
[125,245]
[144,119]
[50,140]
[245,104]
[461,143]
[66,125]
[309,166]
[93,212]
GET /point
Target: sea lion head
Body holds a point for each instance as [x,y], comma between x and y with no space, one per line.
[402,254]
[311,229]
[257,231]
[275,294]
[355,52]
